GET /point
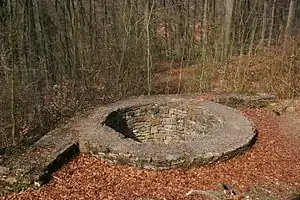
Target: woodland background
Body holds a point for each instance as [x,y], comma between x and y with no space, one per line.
[58,57]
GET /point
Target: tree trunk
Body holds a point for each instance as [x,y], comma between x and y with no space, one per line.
[205,29]
[264,22]
[147,20]
[254,26]
[227,25]
[242,26]
[288,28]
[272,23]
[12,85]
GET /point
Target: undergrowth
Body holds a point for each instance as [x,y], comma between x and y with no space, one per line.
[274,70]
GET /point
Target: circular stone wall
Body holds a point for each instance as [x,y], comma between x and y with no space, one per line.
[163,132]
[165,123]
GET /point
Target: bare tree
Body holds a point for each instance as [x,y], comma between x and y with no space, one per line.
[147,21]
[264,20]
[12,71]
[205,28]
[227,25]
[272,23]
[252,37]
[288,28]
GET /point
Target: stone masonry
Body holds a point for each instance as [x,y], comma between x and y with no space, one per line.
[151,132]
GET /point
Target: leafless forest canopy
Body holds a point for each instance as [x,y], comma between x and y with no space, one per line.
[58,56]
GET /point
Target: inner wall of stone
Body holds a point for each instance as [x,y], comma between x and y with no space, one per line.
[167,123]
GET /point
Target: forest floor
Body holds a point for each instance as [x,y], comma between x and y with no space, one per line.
[269,170]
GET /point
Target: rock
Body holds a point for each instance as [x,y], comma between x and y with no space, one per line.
[84,146]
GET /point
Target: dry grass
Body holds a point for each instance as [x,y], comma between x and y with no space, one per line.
[272,70]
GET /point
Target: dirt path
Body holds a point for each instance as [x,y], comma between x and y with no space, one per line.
[171,77]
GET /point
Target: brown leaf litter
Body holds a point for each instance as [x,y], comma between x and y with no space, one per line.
[274,158]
